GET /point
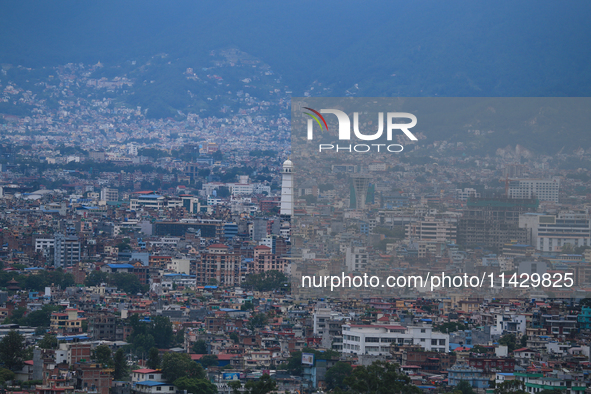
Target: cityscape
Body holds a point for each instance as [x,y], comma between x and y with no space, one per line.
[199,224]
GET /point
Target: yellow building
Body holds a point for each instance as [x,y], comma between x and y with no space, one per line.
[67,322]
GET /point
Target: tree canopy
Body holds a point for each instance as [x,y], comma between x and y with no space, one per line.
[266,281]
[148,334]
[13,351]
[380,378]
[180,365]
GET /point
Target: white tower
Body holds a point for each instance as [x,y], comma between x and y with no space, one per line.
[287,189]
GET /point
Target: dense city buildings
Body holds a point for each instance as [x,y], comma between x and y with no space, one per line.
[131,243]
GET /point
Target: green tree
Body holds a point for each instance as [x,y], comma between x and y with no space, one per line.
[95,278]
[153,358]
[6,375]
[13,351]
[335,376]
[162,332]
[264,385]
[234,337]
[256,321]
[121,369]
[49,341]
[509,340]
[235,385]
[143,341]
[41,317]
[18,315]
[129,283]
[179,365]
[200,347]
[196,385]
[523,341]
[102,354]
[266,281]
[380,378]
[208,360]
[464,387]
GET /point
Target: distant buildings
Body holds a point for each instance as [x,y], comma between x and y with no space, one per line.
[542,189]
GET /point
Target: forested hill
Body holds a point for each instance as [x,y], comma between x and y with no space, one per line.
[369,48]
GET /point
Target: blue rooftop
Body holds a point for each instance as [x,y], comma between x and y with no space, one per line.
[179,275]
[151,383]
[116,266]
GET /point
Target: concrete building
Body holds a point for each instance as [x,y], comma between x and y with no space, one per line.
[542,189]
[376,339]
[108,194]
[356,259]
[550,233]
[219,264]
[66,251]
[432,229]
[493,222]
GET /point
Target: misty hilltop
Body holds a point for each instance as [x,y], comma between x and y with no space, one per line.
[330,48]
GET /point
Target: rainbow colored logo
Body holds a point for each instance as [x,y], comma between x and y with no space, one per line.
[316,118]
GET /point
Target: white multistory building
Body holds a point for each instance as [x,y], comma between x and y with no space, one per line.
[375,340]
[542,189]
[550,233]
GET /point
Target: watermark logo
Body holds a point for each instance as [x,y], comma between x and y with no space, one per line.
[392,119]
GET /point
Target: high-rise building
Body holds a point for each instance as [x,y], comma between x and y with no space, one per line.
[431,229]
[356,259]
[66,250]
[219,264]
[287,189]
[108,194]
[360,186]
[542,189]
[493,222]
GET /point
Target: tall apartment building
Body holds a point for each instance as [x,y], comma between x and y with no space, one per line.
[542,189]
[432,229]
[356,259]
[219,264]
[108,194]
[66,251]
[265,260]
[493,222]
